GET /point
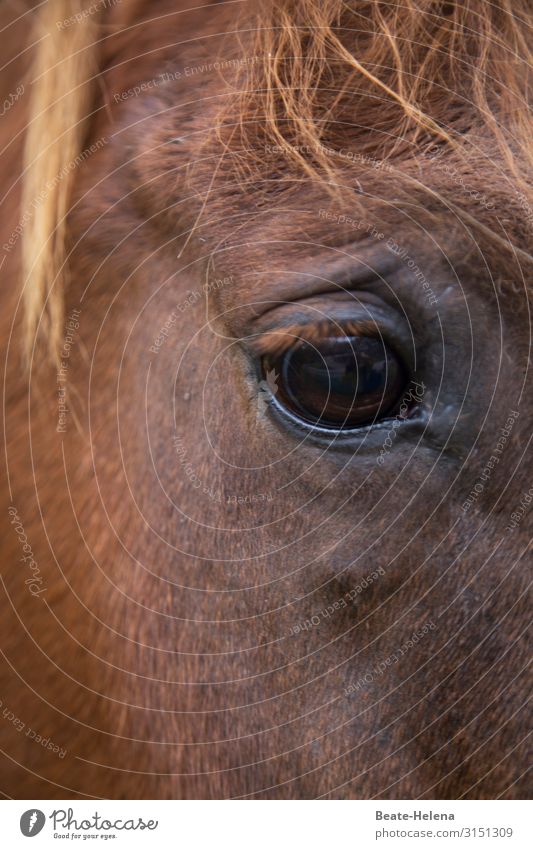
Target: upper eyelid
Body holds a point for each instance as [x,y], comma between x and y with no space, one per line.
[277,341]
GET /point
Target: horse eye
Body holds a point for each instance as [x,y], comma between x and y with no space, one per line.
[340,382]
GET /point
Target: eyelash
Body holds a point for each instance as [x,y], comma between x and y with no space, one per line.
[276,342]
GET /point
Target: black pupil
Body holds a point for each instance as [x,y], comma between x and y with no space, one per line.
[340,382]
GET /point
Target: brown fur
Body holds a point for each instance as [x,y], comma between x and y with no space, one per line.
[165,655]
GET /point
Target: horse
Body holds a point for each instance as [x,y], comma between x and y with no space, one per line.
[267,399]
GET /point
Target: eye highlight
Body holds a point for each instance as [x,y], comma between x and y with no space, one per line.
[336,381]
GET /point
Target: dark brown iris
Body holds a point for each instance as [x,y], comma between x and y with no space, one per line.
[339,382]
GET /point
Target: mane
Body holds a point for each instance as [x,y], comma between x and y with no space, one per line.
[383,81]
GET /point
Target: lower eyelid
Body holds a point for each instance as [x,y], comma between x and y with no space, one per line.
[358,313]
